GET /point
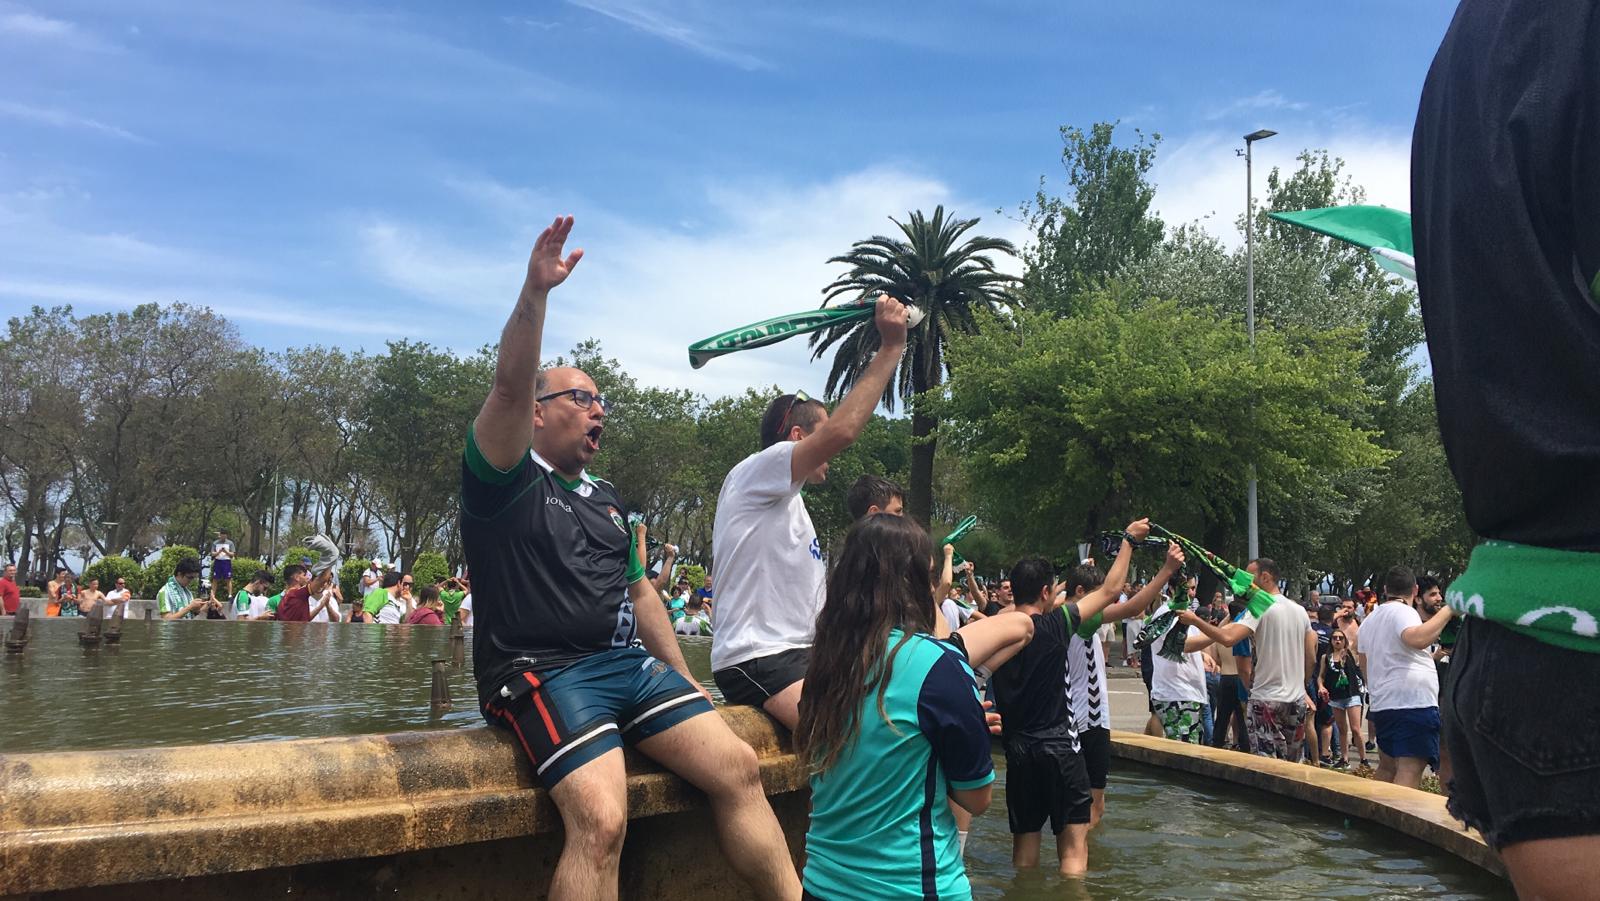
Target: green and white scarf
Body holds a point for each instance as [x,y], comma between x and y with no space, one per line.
[1548,595]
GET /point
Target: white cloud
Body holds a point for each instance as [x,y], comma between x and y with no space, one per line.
[1201,178]
[648,18]
[1264,100]
[64,119]
[649,290]
[25,25]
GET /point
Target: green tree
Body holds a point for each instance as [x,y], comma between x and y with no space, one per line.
[1102,225]
[1068,425]
[417,411]
[951,281]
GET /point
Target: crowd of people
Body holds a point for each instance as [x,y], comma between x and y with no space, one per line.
[1338,682]
[892,678]
[310,593]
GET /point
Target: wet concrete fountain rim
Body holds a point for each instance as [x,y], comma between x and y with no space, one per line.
[93,818]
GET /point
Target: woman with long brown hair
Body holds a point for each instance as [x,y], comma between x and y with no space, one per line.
[891,726]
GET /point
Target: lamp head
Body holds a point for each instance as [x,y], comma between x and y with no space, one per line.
[1259,135]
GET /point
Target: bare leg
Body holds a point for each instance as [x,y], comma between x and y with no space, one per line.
[994,640]
[593,801]
[706,753]
[1025,850]
[1556,869]
[785,705]
[1072,849]
[1386,768]
[1408,771]
[1356,740]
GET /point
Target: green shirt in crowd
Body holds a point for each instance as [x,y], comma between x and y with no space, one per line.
[452,603]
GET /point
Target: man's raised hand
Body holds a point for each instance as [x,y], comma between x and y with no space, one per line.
[1139,529]
[891,315]
[546,268]
[1175,558]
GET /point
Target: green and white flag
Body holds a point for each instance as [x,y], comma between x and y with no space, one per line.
[1383,232]
[778,328]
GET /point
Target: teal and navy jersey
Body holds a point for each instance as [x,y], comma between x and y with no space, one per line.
[880,823]
[551,563]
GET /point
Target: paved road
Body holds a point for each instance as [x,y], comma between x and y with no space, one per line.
[1129,703]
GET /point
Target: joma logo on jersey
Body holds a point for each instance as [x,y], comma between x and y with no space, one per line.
[552,501]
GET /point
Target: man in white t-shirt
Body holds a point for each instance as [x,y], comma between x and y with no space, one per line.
[326,609]
[769,562]
[371,577]
[1178,687]
[117,598]
[1402,680]
[1286,656]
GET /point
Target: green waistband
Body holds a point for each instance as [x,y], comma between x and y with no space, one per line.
[1549,595]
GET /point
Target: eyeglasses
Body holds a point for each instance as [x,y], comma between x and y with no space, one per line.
[407,584]
[583,397]
[799,397]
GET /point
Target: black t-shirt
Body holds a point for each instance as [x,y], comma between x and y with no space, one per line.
[551,563]
[1342,680]
[1031,691]
[1505,199]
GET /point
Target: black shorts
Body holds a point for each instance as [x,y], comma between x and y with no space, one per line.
[1045,780]
[1096,745]
[1518,722]
[754,681]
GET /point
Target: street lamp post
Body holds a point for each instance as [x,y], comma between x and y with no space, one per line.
[1254,525]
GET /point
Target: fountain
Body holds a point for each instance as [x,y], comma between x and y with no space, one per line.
[258,760]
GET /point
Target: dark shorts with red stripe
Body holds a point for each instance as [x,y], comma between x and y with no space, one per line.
[566,717]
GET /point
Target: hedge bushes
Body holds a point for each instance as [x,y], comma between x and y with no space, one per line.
[430,569]
[350,578]
[109,569]
[244,569]
[158,572]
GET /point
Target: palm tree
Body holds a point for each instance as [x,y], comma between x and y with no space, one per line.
[947,281]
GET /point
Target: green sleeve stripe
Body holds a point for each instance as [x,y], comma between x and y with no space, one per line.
[486,471]
[635,568]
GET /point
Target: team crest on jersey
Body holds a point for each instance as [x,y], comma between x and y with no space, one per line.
[616,517]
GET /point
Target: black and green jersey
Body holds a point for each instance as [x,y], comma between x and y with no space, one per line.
[551,562]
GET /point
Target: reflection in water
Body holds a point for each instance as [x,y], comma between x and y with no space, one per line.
[1171,835]
[1166,835]
[192,682]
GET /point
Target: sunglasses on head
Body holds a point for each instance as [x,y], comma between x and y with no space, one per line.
[799,397]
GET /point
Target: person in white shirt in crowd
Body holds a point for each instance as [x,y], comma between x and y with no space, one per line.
[251,601]
[1286,659]
[399,603]
[117,598]
[1402,680]
[769,560]
[222,551]
[326,607]
[372,576]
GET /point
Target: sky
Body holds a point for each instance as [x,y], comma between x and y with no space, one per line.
[353,173]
